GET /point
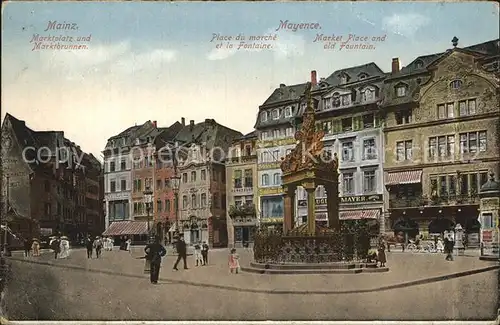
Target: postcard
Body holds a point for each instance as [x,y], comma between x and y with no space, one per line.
[249,162]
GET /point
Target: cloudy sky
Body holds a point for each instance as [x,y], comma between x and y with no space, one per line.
[156,61]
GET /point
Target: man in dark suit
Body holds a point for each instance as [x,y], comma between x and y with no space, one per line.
[154,252]
[204,253]
[89,243]
[182,252]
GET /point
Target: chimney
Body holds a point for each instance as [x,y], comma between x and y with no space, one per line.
[183,121]
[154,124]
[282,85]
[314,79]
[191,125]
[395,65]
[208,121]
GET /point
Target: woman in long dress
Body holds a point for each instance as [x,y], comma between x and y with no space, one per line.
[129,243]
[64,247]
[35,247]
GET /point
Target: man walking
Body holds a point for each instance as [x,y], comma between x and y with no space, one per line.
[56,246]
[154,253]
[182,252]
[27,247]
[204,253]
[98,246]
[89,244]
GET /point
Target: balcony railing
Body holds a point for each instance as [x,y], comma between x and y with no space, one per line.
[242,210]
[242,190]
[415,202]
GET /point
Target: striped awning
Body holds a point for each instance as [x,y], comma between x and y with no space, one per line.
[119,228]
[408,177]
[359,214]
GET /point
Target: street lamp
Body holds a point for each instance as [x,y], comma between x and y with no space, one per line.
[148,200]
[175,180]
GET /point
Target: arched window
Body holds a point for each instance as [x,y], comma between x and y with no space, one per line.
[419,64]
[456,84]
[367,95]
[203,199]
[265,179]
[193,201]
[184,201]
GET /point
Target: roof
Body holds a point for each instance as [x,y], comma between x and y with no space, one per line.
[285,93]
[251,135]
[370,69]
[209,132]
[118,228]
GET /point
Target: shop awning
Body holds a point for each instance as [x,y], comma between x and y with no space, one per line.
[359,214]
[119,228]
[408,177]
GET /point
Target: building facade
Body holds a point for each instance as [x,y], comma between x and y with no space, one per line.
[45,181]
[347,111]
[202,193]
[241,198]
[275,129]
[441,138]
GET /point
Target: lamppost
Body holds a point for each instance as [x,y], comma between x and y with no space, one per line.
[175,180]
[148,200]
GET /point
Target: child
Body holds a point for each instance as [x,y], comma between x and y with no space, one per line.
[197,254]
[234,264]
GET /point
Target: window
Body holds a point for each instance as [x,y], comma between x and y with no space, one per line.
[343,79]
[123,164]
[263,116]
[237,179]
[159,206]
[348,183]
[215,200]
[474,184]
[276,114]
[47,186]
[112,166]
[483,178]
[203,175]
[404,150]
[469,142]
[184,177]
[346,99]
[289,132]
[404,117]
[288,111]
[452,184]
[123,185]
[348,151]
[203,200]
[362,76]
[193,176]
[434,187]
[487,220]
[137,185]
[464,181]
[446,110]
[419,64]
[167,205]
[401,91]
[265,180]
[113,186]
[369,149]
[443,188]
[276,179]
[248,150]
[184,201]
[456,84]
[367,95]
[347,124]
[193,200]
[276,155]
[336,100]
[158,184]
[263,135]
[368,121]
[248,178]
[467,107]
[445,146]
[369,181]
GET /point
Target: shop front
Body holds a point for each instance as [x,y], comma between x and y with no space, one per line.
[272,212]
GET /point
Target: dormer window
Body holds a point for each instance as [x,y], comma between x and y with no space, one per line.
[292,93]
[362,76]
[280,95]
[401,90]
[276,114]
[419,64]
[367,95]
[346,99]
[336,100]
[288,111]
[456,84]
[263,116]
[343,78]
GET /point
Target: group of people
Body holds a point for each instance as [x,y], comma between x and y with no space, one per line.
[155,251]
[29,246]
[60,246]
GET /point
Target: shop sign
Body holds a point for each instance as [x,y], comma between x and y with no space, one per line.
[276,142]
[323,216]
[274,165]
[348,199]
[487,236]
[272,220]
[270,191]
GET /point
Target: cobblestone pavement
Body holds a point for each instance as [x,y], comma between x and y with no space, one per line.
[114,287]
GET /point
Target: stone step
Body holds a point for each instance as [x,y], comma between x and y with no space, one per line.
[315,266]
[314,271]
